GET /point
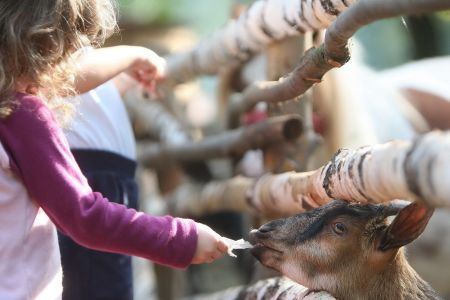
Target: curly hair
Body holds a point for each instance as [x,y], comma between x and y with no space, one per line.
[37,39]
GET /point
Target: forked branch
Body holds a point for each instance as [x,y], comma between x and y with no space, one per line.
[332,53]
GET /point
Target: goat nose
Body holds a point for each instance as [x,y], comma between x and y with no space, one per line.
[265,228]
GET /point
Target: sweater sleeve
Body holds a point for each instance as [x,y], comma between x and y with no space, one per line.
[40,156]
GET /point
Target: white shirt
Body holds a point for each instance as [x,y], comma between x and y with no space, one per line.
[101,122]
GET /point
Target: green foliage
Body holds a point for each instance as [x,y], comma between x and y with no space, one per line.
[385,43]
[389,43]
[144,11]
[203,15]
[444,16]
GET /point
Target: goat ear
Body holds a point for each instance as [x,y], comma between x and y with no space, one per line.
[407,226]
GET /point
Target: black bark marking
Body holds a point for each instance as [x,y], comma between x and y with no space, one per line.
[331,170]
[244,51]
[266,30]
[327,182]
[302,14]
[284,295]
[247,295]
[350,168]
[263,24]
[360,168]
[272,290]
[352,176]
[292,23]
[329,8]
[339,169]
[411,173]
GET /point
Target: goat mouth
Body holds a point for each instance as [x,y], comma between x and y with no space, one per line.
[259,247]
[262,242]
[267,256]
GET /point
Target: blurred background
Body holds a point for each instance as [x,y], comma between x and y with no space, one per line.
[173,26]
[386,43]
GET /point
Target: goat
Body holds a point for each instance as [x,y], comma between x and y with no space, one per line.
[349,250]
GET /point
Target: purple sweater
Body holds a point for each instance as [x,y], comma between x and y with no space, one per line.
[41,158]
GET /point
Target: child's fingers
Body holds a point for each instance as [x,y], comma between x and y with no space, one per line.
[157,69]
[216,255]
[222,246]
[146,76]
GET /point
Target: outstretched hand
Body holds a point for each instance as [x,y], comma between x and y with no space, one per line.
[148,68]
[210,245]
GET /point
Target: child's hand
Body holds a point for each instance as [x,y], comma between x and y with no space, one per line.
[148,68]
[210,245]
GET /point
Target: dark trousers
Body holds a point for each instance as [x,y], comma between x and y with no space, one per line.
[95,275]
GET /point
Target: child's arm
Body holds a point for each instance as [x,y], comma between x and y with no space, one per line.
[41,157]
[100,65]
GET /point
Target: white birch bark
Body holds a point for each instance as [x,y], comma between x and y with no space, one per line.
[232,143]
[279,288]
[154,119]
[265,21]
[410,170]
[333,53]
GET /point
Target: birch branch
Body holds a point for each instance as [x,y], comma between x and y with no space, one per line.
[410,170]
[279,288]
[332,53]
[265,21]
[155,119]
[232,143]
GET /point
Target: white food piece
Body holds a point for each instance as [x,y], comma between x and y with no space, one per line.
[239,244]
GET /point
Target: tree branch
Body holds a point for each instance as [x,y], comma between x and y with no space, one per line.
[274,289]
[157,122]
[265,21]
[411,170]
[332,53]
[155,119]
[231,143]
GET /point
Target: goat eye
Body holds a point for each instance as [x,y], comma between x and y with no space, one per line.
[339,228]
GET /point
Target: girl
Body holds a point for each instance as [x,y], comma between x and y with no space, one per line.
[40,182]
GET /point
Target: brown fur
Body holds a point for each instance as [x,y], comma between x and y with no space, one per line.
[365,261]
